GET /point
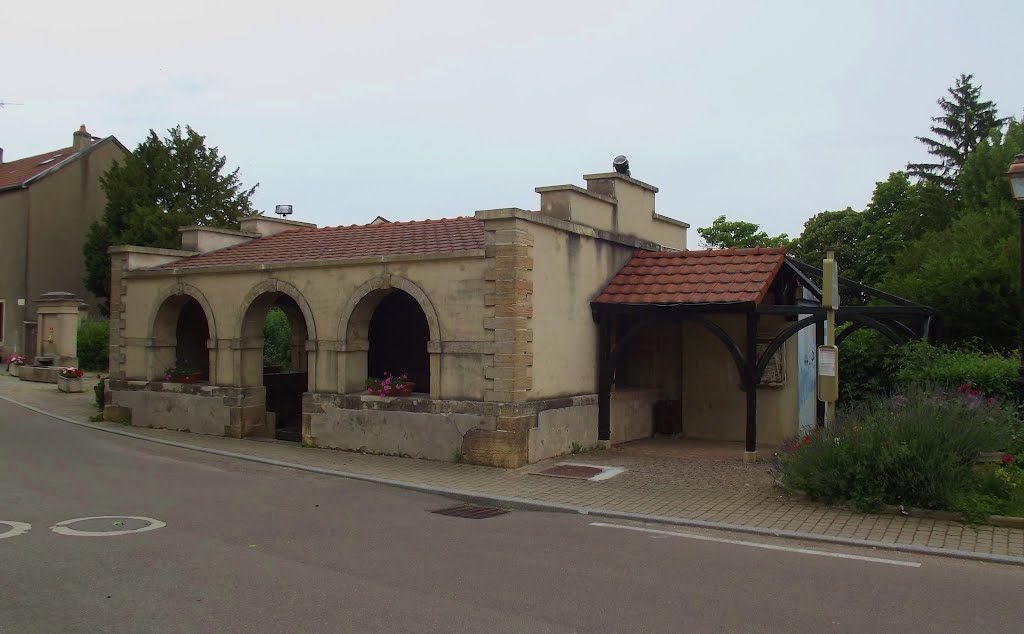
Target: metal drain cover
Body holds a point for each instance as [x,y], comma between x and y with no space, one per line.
[471,511]
[578,471]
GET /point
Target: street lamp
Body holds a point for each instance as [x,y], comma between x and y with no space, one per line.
[1016,176]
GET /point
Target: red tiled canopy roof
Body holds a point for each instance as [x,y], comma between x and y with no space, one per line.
[340,243]
[15,173]
[695,277]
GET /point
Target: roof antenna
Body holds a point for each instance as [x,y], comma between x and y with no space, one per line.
[621,165]
[283,210]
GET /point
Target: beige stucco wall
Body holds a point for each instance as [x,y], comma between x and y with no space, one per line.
[44,227]
[570,270]
[714,404]
[63,205]
[13,210]
[454,288]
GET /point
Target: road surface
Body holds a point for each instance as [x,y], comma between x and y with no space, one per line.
[243,547]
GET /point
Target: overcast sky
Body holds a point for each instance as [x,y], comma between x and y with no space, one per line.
[763,111]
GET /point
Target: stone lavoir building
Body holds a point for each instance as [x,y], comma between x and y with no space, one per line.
[586,321]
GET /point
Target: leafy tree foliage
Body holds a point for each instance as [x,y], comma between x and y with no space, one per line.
[277,339]
[965,121]
[165,184]
[738,234]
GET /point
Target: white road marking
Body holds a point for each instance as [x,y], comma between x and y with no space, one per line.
[721,540]
[61,528]
[17,528]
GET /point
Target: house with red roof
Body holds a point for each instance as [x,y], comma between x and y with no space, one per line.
[501,338]
[47,202]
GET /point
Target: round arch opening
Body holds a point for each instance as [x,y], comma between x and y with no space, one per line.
[274,356]
[397,337]
[182,333]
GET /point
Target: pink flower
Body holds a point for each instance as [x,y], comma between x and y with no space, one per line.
[807,439]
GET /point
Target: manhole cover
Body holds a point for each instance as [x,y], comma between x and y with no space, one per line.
[578,471]
[471,511]
[572,471]
[106,526]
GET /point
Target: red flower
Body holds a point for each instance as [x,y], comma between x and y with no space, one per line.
[1007,459]
[807,439]
[99,376]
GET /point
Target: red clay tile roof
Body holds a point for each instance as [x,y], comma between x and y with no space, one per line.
[339,243]
[695,277]
[15,173]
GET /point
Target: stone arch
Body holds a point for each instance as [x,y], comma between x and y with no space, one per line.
[276,286]
[353,331]
[179,289]
[164,347]
[249,331]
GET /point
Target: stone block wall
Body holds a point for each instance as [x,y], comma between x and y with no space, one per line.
[202,409]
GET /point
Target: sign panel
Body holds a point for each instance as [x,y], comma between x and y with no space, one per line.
[828,373]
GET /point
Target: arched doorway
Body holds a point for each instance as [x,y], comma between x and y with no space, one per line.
[274,335]
[181,334]
[398,334]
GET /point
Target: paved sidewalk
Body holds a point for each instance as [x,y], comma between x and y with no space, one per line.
[673,489]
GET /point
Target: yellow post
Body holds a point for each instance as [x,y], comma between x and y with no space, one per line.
[828,355]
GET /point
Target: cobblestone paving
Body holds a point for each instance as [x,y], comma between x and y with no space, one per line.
[698,489]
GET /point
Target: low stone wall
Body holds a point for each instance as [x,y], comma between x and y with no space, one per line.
[38,373]
[202,409]
[416,427]
[557,429]
[497,434]
[632,414]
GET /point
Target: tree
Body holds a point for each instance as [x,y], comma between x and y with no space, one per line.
[969,271]
[965,121]
[165,184]
[738,234]
[842,231]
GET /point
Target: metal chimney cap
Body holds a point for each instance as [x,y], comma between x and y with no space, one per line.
[621,165]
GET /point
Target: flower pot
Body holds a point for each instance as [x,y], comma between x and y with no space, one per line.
[195,377]
[404,390]
[69,385]
[13,369]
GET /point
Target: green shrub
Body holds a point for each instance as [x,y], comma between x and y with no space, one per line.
[916,450]
[866,367]
[277,337]
[94,344]
[920,364]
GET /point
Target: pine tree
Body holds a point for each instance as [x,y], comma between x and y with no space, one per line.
[965,121]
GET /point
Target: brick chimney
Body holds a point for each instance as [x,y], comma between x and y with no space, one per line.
[81,139]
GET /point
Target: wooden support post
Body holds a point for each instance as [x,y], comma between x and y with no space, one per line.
[604,380]
[819,340]
[750,381]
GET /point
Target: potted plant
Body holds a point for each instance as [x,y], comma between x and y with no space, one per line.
[14,363]
[389,385]
[182,372]
[70,380]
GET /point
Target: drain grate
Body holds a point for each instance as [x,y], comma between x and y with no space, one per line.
[471,511]
[581,472]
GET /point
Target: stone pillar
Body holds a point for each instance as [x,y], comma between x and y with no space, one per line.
[58,317]
[508,369]
[118,267]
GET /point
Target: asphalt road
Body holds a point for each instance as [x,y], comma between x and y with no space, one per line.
[253,548]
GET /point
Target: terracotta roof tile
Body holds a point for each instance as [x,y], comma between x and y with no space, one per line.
[695,277]
[340,243]
[15,173]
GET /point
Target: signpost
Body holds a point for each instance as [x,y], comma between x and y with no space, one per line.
[828,354]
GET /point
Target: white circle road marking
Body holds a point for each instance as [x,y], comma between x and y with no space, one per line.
[17,528]
[62,527]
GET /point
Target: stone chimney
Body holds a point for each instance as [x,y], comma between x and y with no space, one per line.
[1,156]
[81,139]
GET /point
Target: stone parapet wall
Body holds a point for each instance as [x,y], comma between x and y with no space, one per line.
[199,408]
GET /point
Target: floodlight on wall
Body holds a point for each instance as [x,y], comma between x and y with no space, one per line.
[283,210]
[621,165]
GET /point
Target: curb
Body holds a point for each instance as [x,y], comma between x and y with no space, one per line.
[527,504]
